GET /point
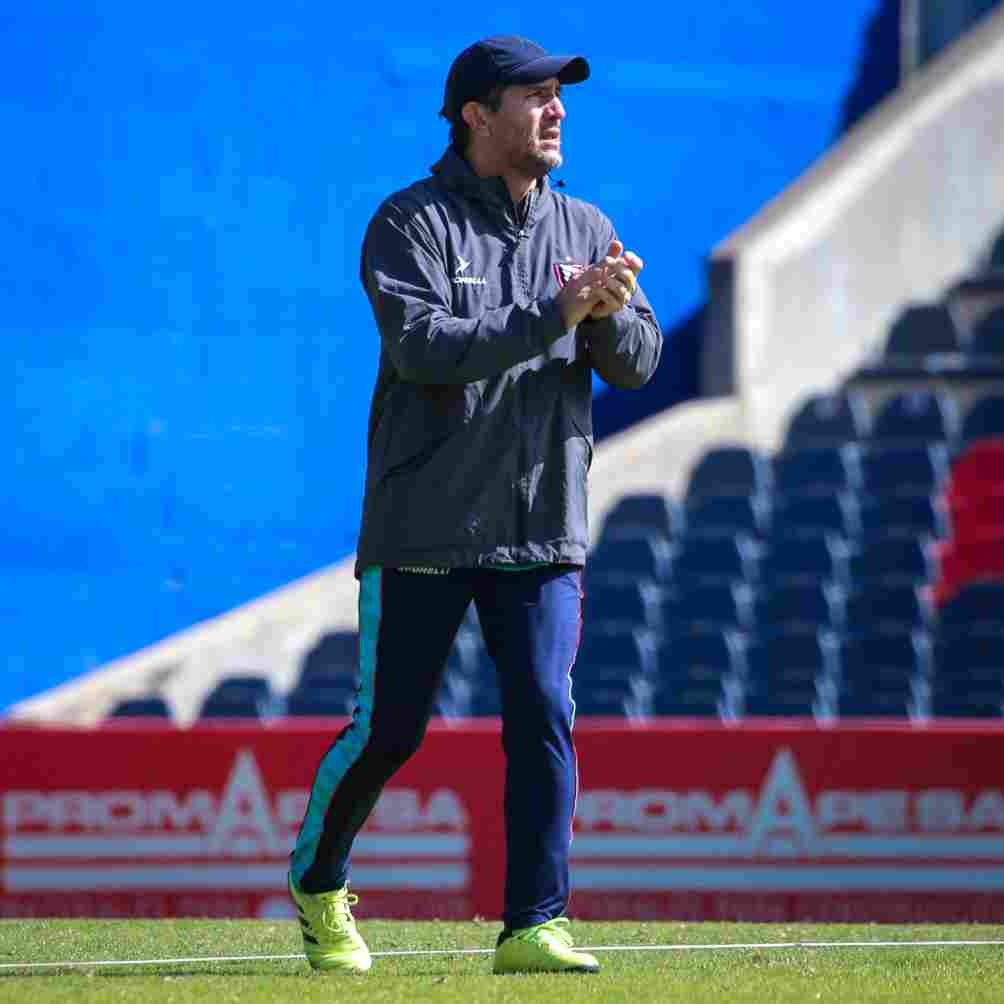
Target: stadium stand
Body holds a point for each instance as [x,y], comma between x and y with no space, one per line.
[141,707]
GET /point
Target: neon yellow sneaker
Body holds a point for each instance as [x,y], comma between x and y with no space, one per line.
[330,939]
[543,948]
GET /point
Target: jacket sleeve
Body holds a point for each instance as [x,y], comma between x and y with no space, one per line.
[624,348]
[406,280]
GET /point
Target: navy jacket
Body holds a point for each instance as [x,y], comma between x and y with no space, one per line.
[480,430]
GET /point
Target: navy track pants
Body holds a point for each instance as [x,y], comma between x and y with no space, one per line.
[531,622]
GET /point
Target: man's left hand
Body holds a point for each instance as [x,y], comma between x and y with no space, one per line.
[621,283]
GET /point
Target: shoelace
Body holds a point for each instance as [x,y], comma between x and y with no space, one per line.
[556,928]
[337,915]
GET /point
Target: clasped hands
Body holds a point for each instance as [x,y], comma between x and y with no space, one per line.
[601,289]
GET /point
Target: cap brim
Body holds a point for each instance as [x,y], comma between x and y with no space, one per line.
[568,70]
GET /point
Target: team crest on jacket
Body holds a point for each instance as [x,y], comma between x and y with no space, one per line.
[564,271]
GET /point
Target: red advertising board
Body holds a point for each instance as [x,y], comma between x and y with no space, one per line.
[674,820]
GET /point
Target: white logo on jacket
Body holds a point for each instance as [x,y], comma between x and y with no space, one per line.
[467,280]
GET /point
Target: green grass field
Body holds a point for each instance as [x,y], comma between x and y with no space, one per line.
[965,974]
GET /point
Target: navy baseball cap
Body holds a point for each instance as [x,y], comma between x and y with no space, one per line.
[504,59]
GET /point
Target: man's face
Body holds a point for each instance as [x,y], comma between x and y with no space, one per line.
[526,130]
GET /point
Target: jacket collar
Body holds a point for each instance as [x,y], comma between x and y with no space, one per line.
[453,171]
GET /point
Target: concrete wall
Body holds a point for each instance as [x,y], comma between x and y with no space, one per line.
[898,212]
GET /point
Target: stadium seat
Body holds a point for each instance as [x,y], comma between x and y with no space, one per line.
[919,416]
[702,608]
[453,696]
[969,656]
[904,516]
[486,701]
[987,342]
[789,670]
[983,420]
[726,515]
[630,560]
[978,607]
[921,330]
[800,700]
[643,515]
[815,515]
[614,657]
[729,470]
[903,470]
[818,471]
[244,696]
[611,698]
[893,560]
[335,653]
[713,655]
[949,700]
[320,701]
[712,560]
[863,698]
[804,606]
[827,420]
[791,560]
[693,699]
[141,707]
[617,606]
[874,607]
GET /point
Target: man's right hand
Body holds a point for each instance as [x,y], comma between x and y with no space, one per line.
[606,285]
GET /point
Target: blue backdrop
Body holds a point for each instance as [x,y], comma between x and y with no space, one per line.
[188,351]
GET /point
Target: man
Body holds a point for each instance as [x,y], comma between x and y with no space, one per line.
[496,298]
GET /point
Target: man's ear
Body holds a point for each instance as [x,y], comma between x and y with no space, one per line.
[474,117]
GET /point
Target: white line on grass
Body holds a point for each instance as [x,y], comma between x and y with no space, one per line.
[399,952]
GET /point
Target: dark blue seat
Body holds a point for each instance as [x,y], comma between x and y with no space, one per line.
[141,707]
[978,607]
[644,515]
[922,330]
[864,699]
[621,656]
[885,659]
[987,342]
[729,470]
[692,699]
[712,655]
[631,559]
[918,416]
[701,560]
[453,696]
[903,470]
[610,698]
[815,515]
[874,607]
[828,420]
[969,657]
[801,606]
[954,698]
[792,662]
[617,606]
[792,560]
[243,696]
[726,515]
[466,654]
[903,515]
[984,419]
[892,560]
[800,700]
[308,701]
[703,608]
[486,701]
[822,470]
[334,652]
